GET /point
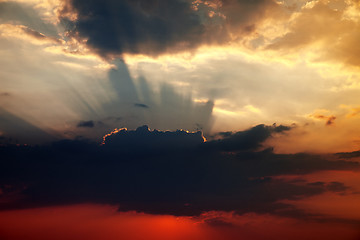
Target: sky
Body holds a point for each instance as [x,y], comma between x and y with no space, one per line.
[179,119]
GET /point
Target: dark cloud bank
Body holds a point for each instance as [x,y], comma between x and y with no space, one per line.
[152,27]
[155,27]
[172,172]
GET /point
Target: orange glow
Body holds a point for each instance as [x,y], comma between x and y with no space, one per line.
[116,130]
[203,137]
[336,205]
[93,222]
[331,205]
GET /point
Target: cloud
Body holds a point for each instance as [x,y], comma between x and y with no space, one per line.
[306,29]
[144,141]
[149,27]
[245,140]
[345,155]
[39,36]
[25,14]
[330,27]
[87,124]
[337,187]
[329,119]
[24,33]
[160,26]
[141,105]
[165,172]
[33,33]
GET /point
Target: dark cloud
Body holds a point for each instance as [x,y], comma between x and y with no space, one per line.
[332,186]
[245,140]
[163,173]
[159,26]
[337,187]
[345,155]
[143,141]
[218,222]
[34,33]
[141,105]
[329,119]
[139,26]
[87,124]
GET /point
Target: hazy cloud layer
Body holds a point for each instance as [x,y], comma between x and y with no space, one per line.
[25,14]
[332,27]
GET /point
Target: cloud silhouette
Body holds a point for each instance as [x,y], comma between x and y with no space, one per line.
[347,155]
[141,105]
[163,172]
[145,142]
[245,140]
[88,124]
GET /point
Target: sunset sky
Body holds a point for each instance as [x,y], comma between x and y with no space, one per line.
[179,119]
